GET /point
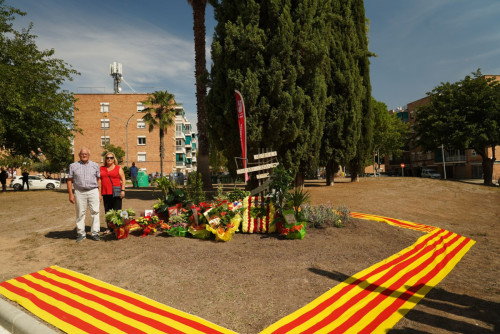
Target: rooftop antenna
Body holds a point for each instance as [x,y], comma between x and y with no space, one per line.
[116,73]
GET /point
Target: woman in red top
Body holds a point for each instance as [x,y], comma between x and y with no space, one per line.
[111,175]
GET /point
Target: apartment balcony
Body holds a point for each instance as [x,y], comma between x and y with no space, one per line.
[450,156]
[179,135]
[189,166]
[179,163]
[193,158]
[180,149]
[189,155]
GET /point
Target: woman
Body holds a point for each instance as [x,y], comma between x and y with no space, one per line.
[111,175]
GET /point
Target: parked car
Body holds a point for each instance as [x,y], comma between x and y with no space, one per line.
[430,173]
[35,182]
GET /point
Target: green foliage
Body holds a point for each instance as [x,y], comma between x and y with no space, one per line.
[460,115]
[160,113]
[281,183]
[34,111]
[126,171]
[325,215]
[296,198]
[390,134]
[274,53]
[116,217]
[171,194]
[15,161]
[194,188]
[117,150]
[220,196]
[237,195]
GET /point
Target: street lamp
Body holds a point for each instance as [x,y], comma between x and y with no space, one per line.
[126,130]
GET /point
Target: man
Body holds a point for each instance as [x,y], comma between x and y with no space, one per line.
[3,179]
[133,175]
[86,177]
[26,177]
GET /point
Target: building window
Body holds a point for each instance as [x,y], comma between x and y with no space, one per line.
[104,107]
[104,123]
[141,140]
[105,140]
[141,124]
[140,107]
[141,156]
[473,153]
[429,155]
[420,156]
[178,130]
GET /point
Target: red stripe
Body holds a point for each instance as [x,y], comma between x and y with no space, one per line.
[262,218]
[268,219]
[71,302]
[193,324]
[318,309]
[114,307]
[384,294]
[56,312]
[256,220]
[249,216]
[412,290]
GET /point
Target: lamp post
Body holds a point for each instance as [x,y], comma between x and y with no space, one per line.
[126,130]
[444,162]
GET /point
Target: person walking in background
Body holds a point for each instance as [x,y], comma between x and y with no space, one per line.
[3,179]
[85,176]
[26,177]
[134,171]
[111,175]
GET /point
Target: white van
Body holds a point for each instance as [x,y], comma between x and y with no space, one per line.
[430,173]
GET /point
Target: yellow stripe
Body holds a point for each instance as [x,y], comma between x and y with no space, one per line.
[350,281]
[65,307]
[412,281]
[135,308]
[42,314]
[412,301]
[416,261]
[96,306]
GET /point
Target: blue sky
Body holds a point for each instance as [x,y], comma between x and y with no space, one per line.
[419,43]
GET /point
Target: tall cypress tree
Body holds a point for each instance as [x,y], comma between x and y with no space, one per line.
[342,130]
[273,52]
[365,145]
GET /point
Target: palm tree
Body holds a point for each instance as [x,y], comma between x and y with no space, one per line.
[160,114]
[201,89]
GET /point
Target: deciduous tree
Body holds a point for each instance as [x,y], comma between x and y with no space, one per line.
[463,115]
[33,110]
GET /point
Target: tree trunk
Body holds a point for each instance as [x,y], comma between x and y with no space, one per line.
[354,177]
[488,170]
[162,151]
[201,90]
[330,173]
[299,180]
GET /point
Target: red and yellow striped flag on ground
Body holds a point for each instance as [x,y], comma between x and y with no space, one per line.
[77,303]
[371,301]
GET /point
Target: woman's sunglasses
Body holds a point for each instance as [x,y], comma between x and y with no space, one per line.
[109,158]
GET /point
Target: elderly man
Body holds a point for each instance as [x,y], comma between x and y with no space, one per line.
[85,175]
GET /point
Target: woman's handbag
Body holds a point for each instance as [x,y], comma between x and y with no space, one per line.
[117,191]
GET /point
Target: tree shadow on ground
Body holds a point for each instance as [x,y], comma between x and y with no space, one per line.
[465,306]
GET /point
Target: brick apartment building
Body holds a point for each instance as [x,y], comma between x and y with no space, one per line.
[459,164]
[117,119]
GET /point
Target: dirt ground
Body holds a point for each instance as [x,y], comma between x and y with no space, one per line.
[254,280]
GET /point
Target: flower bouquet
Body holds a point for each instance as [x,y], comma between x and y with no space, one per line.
[119,221]
[177,226]
[291,228]
[224,218]
[149,224]
[198,221]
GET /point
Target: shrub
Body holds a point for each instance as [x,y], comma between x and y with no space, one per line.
[324,215]
[194,188]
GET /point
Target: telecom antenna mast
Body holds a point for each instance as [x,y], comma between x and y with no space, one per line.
[116,73]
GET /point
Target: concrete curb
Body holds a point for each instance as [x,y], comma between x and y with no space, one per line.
[18,322]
